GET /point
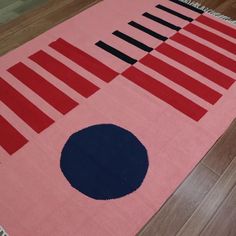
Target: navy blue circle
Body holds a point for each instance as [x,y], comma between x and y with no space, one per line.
[104,161]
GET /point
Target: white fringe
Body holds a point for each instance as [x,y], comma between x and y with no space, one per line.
[210,11]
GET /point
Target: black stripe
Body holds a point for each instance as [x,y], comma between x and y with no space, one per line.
[148,31]
[187,6]
[175,13]
[132,41]
[116,52]
[161,21]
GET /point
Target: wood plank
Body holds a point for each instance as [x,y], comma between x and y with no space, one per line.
[225,217]
[227,8]
[22,36]
[37,21]
[39,13]
[29,5]
[4,3]
[181,204]
[209,3]
[70,10]
[210,204]
[6,16]
[10,7]
[223,152]
[26,19]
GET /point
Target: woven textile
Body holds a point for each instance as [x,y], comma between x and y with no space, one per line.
[103,116]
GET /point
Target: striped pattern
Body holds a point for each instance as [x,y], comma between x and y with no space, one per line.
[65,74]
[44,89]
[196,87]
[161,21]
[147,31]
[210,73]
[61,101]
[181,78]
[165,93]
[205,51]
[211,37]
[11,140]
[26,110]
[83,59]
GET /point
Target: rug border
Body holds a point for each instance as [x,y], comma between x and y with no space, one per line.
[209,11]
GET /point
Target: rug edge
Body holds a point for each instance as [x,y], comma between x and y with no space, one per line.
[210,11]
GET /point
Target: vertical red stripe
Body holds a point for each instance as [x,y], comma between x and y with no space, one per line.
[84,60]
[10,139]
[165,93]
[43,88]
[211,37]
[205,51]
[181,78]
[64,73]
[217,25]
[198,66]
[27,111]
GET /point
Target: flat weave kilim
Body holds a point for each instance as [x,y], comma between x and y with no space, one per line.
[103,116]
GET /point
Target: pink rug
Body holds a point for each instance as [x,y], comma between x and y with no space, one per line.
[103,116]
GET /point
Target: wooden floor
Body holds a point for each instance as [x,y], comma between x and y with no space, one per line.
[205,203]
[36,20]
[11,9]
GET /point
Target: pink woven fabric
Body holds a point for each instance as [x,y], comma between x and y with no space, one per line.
[36,199]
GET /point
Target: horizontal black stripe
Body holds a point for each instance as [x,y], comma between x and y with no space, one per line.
[148,31]
[187,6]
[116,52]
[175,13]
[161,21]
[132,41]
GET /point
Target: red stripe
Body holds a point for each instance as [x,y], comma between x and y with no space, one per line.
[83,59]
[205,51]
[27,111]
[198,66]
[211,37]
[165,93]
[217,25]
[181,78]
[10,139]
[64,73]
[43,88]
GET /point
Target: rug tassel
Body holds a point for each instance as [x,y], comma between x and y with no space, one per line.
[210,11]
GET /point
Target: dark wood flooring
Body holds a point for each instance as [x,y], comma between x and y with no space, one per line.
[205,203]
[36,20]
